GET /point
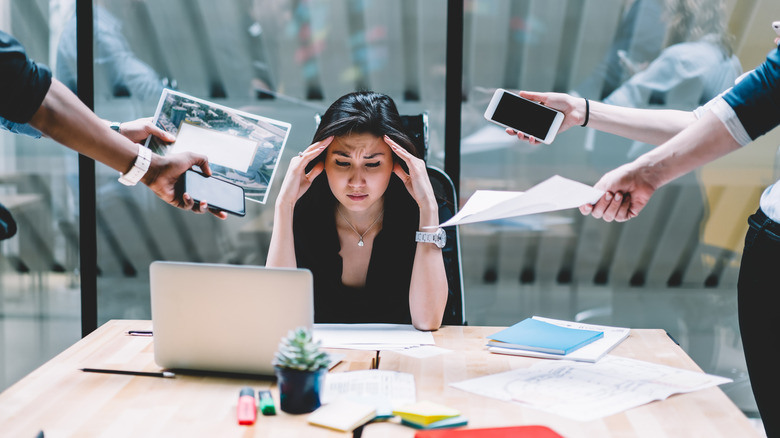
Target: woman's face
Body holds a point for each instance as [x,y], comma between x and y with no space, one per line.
[358,168]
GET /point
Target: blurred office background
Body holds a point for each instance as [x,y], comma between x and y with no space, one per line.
[674,267]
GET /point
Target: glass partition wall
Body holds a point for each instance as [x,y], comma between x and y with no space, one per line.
[286,60]
[674,267]
[39,266]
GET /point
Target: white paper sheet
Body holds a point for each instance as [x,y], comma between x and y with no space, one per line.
[424,351]
[371,336]
[222,149]
[588,391]
[555,193]
[383,389]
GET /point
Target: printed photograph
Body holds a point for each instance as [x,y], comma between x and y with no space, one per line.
[242,148]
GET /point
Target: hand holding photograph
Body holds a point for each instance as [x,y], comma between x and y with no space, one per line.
[242,148]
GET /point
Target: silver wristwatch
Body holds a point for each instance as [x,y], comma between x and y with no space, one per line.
[438,238]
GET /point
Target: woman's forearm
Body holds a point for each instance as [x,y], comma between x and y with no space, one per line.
[648,126]
[281,251]
[428,288]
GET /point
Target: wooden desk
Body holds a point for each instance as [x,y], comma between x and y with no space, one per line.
[63,401]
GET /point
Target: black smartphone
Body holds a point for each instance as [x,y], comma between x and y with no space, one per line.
[512,111]
[220,194]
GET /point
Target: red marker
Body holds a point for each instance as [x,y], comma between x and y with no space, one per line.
[247,409]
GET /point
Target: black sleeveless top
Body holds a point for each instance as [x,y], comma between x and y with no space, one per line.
[385,297]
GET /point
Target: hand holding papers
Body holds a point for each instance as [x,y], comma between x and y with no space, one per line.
[556,193]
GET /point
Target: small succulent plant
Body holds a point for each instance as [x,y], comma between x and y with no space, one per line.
[299,351]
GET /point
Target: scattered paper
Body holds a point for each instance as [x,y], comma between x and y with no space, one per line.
[385,390]
[424,351]
[555,193]
[588,391]
[371,336]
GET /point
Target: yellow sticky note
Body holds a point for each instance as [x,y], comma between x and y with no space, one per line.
[425,412]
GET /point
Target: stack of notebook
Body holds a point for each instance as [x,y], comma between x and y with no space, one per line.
[429,415]
[535,335]
[564,339]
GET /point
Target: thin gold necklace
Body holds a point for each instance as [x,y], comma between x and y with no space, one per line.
[360,242]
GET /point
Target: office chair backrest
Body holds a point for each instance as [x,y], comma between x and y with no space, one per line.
[443,187]
[417,128]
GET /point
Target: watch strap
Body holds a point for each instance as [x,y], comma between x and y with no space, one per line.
[437,238]
[140,166]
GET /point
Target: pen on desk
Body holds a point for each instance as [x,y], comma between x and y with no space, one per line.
[139,332]
[131,373]
[670,337]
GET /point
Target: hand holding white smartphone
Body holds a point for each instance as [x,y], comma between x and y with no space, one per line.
[533,119]
[220,194]
[776,27]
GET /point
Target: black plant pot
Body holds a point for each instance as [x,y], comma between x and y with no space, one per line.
[299,391]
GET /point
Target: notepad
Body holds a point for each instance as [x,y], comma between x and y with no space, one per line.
[343,415]
[425,412]
[535,335]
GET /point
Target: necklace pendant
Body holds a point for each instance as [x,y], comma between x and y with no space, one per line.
[360,242]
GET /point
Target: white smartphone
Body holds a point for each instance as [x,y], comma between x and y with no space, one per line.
[220,194]
[512,111]
[776,27]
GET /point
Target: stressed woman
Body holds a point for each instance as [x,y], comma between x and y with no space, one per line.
[350,209]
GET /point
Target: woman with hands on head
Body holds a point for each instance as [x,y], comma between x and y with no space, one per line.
[349,209]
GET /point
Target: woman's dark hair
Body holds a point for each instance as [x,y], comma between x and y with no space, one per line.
[364,112]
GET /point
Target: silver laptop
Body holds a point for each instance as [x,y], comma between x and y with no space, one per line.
[225,318]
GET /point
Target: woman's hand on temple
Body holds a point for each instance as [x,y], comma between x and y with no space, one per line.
[416,181]
[297,181]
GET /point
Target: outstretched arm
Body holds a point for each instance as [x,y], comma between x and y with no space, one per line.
[648,126]
[428,288]
[65,119]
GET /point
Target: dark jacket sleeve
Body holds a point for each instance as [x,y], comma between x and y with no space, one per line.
[756,98]
[23,83]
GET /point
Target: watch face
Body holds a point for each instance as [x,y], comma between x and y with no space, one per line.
[441,238]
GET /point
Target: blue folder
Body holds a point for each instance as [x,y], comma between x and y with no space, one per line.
[535,335]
